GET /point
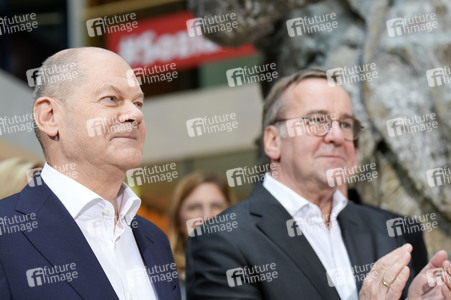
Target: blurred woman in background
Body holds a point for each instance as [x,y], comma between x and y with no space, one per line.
[199,195]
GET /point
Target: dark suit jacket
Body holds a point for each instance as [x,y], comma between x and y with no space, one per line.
[57,240]
[261,237]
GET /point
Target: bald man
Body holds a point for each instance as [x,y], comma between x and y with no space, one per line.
[74,232]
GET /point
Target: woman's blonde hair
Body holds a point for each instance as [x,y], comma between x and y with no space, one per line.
[13,175]
[182,191]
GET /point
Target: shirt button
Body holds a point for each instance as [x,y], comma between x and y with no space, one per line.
[106,212]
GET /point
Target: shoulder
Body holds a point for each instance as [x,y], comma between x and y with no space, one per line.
[366,210]
[239,208]
[148,228]
[392,223]
[8,204]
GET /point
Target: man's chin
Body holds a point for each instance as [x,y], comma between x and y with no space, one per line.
[127,161]
[333,164]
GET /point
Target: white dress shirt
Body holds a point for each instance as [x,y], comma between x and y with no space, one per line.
[326,242]
[115,248]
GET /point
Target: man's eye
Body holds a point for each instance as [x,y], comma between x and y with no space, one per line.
[109,98]
[347,124]
[318,119]
[139,104]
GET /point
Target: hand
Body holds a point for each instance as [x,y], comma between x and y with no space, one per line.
[388,276]
[434,281]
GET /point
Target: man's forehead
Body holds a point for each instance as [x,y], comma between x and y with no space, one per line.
[118,85]
[314,95]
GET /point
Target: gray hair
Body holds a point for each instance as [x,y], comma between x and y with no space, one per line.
[56,78]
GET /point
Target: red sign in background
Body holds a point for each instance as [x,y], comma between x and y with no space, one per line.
[165,40]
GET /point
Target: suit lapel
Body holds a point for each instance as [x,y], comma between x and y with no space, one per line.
[359,243]
[59,239]
[273,224]
[152,257]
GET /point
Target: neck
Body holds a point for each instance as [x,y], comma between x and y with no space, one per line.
[321,196]
[106,182]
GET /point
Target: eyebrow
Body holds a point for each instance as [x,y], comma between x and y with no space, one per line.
[318,112]
[345,115]
[107,86]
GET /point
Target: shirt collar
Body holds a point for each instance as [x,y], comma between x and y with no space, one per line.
[295,204]
[77,198]
[289,199]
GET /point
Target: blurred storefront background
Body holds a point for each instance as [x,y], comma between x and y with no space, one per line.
[194,60]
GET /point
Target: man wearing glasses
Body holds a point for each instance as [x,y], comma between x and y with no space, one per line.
[298,237]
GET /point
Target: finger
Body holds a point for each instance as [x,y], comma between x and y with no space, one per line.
[395,290]
[395,269]
[446,276]
[389,259]
[447,267]
[436,261]
[446,292]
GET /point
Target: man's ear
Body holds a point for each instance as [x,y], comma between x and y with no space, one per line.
[272,143]
[44,111]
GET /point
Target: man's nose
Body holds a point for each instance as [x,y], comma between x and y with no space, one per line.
[335,134]
[131,113]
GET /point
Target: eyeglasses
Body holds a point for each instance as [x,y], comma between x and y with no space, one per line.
[319,124]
